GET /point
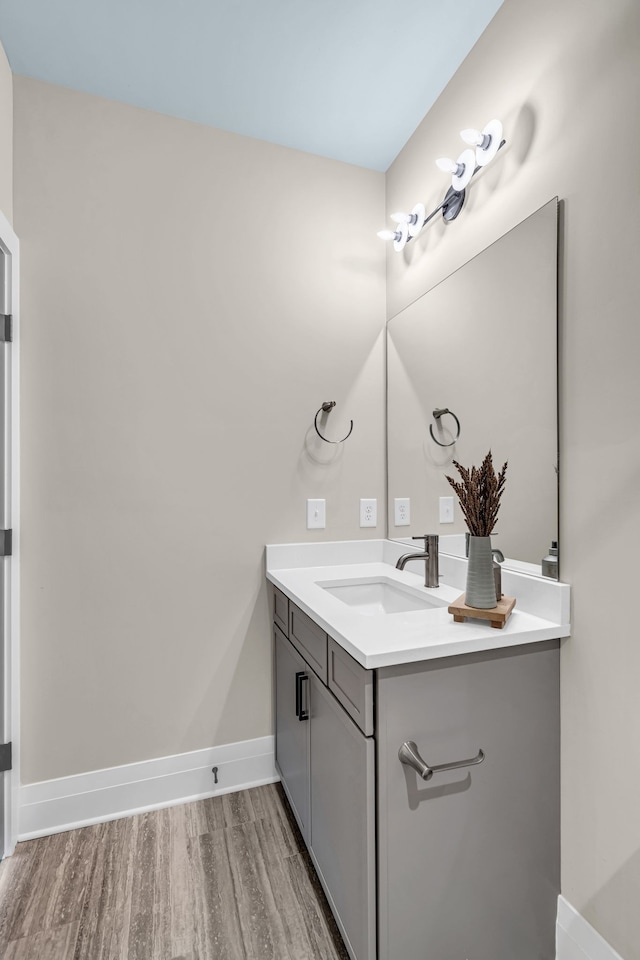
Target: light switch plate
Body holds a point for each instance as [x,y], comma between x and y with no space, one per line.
[446,509]
[368,513]
[316,514]
[402,512]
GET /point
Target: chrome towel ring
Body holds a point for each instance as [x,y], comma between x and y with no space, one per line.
[440,413]
[327,407]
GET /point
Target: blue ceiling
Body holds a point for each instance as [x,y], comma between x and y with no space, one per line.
[347,79]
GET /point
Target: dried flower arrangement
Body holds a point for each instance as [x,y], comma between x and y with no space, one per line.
[479,494]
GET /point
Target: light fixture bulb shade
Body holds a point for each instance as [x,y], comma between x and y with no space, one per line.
[387,234]
[465,167]
[400,217]
[471,136]
[491,140]
[401,237]
[446,165]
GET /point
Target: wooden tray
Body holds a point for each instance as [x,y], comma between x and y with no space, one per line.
[497,615]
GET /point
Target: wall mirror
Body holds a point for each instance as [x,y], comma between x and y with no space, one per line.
[483,344]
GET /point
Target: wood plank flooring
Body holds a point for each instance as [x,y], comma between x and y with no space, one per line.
[221,879]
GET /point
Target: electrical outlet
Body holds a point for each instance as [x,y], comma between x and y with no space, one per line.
[402,511]
[316,514]
[446,509]
[368,513]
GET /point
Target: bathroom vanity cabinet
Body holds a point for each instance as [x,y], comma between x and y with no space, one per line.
[464,865]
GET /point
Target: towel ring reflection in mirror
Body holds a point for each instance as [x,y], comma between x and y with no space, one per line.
[440,413]
[327,407]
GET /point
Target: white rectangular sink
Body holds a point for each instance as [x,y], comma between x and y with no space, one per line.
[373,596]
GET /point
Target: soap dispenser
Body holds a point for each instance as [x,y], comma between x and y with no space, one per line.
[550,563]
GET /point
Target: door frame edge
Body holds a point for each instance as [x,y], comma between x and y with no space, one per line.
[11,245]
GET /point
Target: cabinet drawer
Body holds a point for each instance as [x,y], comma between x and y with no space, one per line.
[309,639]
[281,610]
[352,685]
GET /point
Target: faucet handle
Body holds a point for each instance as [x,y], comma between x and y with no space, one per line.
[425,536]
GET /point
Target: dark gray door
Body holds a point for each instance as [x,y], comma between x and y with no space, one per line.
[5,525]
[292,727]
[343,818]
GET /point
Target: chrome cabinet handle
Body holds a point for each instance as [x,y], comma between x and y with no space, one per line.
[408,753]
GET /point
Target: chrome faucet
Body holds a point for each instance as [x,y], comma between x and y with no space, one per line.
[430,556]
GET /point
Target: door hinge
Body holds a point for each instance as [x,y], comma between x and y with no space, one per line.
[6,328]
[5,757]
[6,543]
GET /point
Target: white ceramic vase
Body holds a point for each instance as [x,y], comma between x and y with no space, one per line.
[481,584]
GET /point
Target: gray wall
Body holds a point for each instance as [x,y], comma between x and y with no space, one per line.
[6,136]
[190,299]
[563,75]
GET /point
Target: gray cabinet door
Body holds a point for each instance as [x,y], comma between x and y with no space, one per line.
[469,861]
[292,733]
[343,819]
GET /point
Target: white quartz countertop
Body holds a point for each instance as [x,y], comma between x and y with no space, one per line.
[387,639]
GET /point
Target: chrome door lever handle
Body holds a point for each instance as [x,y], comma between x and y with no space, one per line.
[408,753]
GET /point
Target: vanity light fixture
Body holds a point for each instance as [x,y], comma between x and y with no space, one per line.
[485,144]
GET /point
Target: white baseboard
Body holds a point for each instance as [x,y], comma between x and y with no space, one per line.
[53,806]
[577,940]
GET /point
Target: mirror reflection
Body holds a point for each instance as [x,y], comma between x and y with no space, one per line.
[481,344]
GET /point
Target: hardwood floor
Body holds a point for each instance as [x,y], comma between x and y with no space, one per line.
[220,879]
